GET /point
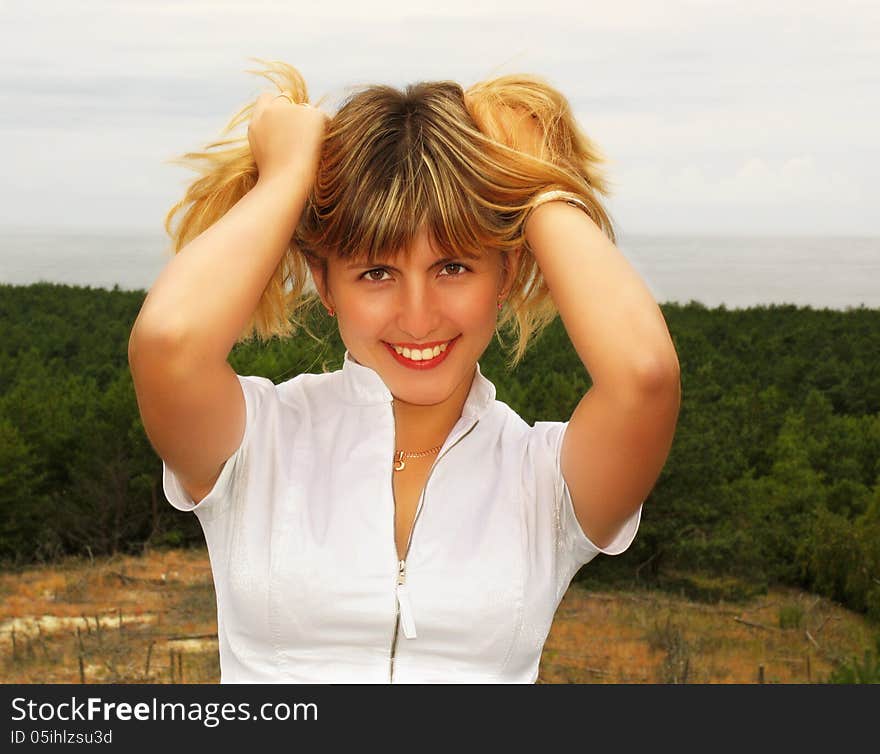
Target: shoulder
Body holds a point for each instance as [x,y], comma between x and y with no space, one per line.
[504,424]
[537,443]
[299,389]
[511,422]
[303,394]
[504,414]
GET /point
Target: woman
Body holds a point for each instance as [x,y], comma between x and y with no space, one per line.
[392,521]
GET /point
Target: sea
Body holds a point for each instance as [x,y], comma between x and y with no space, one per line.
[736,272]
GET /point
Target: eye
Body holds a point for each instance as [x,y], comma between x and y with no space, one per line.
[368,275]
[462,268]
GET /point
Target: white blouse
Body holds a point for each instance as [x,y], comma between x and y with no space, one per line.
[300,532]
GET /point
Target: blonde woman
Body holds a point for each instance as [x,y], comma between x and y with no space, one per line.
[392,521]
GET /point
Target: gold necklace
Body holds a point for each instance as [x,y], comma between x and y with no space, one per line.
[400,464]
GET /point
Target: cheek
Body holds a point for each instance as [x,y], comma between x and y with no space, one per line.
[478,309]
[363,316]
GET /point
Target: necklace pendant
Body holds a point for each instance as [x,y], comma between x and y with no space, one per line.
[399,463]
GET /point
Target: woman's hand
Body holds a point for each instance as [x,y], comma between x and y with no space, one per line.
[285,138]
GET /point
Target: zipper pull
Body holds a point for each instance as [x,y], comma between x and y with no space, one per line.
[406,616]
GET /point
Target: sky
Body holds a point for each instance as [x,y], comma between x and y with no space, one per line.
[735,118]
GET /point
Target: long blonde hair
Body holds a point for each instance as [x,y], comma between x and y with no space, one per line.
[433,154]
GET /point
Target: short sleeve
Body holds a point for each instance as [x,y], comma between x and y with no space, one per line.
[572,542]
[259,395]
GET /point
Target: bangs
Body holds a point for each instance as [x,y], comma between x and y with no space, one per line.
[384,219]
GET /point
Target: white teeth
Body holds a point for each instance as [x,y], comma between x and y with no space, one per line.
[421,355]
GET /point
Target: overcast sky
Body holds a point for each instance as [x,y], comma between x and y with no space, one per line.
[742,117]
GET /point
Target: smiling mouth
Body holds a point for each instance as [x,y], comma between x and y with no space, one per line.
[421,354]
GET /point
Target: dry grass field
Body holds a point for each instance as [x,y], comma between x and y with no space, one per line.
[151,619]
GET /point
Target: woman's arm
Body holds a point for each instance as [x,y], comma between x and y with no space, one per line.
[189,397]
[621,432]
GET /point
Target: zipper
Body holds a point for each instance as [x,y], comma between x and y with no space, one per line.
[403,605]
[403,612]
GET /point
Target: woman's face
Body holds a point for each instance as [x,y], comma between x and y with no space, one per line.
[421,323]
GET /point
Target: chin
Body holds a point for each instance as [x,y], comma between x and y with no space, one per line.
[424,404]
[431,395]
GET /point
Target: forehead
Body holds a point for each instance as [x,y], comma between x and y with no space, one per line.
[423,249]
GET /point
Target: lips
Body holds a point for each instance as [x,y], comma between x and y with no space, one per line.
[423,363]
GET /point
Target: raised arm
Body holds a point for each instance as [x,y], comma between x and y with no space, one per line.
[621,432]
[189,397]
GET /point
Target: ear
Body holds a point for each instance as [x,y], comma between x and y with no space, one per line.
[510,263]
[319,275]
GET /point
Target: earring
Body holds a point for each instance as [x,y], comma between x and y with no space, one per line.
[330,311]
[500,302]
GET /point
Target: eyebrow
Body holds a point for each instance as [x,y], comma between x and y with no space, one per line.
[358,266]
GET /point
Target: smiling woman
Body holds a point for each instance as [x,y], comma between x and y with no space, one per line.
[392,521]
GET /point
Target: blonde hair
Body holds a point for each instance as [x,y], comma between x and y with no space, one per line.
[392,161]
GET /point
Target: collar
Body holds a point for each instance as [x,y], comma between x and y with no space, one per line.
[362,386]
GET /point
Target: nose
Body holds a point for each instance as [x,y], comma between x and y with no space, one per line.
[418,311]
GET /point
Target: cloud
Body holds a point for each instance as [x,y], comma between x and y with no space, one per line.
[756,180]
[696,104]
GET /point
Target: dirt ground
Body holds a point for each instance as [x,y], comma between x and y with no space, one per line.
[152,619]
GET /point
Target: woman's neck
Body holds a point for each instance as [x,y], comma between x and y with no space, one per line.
[420,427]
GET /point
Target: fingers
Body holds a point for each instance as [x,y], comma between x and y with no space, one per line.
[283,99]
[288,97]
[267,99]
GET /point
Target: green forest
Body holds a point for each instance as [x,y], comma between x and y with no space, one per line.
[773,477]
